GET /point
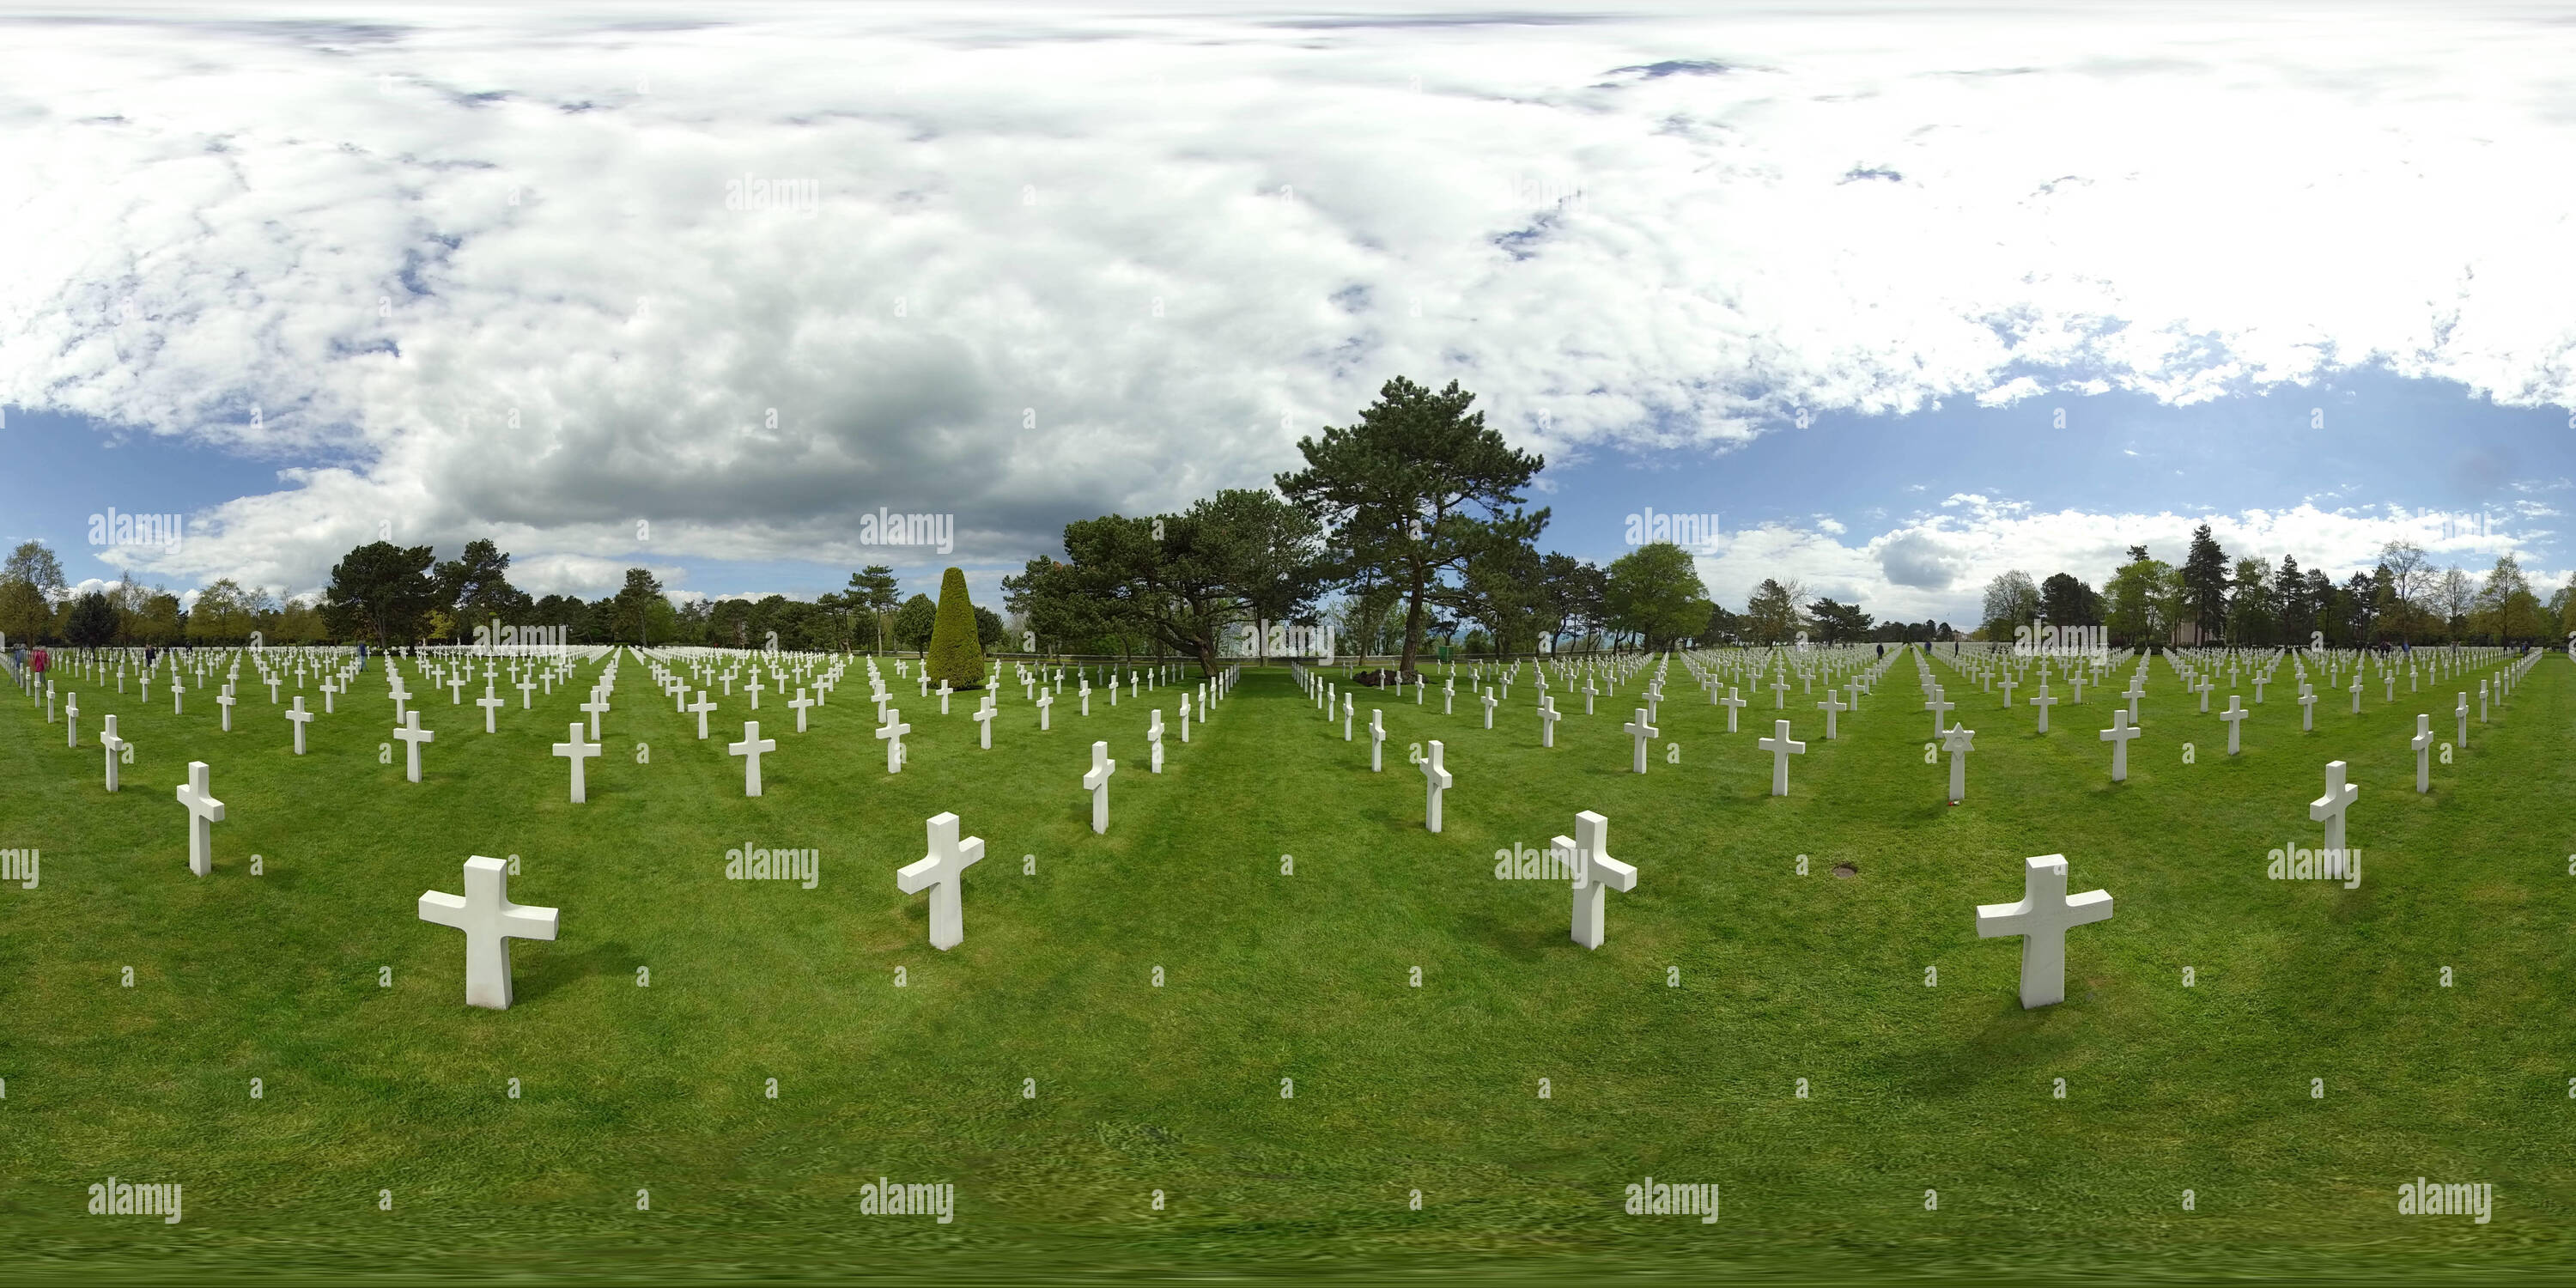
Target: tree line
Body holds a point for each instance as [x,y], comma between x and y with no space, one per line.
[2209,598]
[1404,530]
[385,594]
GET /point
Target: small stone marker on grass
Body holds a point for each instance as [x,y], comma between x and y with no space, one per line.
[204,811]
[1781,748]
[751,748]
[2119,735]
[490,921]
[2042,918]
[1958,742]
[1594,873]
[1643,733]
[577,751]
[1096,781]
[942,872]
[1435,781]
[413,736]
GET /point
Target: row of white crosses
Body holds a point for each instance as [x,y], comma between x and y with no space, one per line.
[489,919]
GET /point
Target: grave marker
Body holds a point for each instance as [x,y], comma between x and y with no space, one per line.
[1097,783]
[1781,748]
[2119,735]
[412,736]
[942,871]
[490,921]
[1595,872]
[751,748]
[204,811]
[2042,918]
[1435,781]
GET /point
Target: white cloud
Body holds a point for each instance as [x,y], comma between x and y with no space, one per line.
[1609,243]
[2011,391]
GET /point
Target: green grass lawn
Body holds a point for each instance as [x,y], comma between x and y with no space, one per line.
[1267,977]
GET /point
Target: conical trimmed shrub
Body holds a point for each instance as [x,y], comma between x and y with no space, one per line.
[956,656]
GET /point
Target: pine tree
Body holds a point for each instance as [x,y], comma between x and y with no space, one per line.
[956,656]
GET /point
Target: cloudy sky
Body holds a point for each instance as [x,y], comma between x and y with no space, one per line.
[1907,295]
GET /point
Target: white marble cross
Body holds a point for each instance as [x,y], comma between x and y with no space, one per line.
[1643,733]
[1045,700]
[490,921]
[2043,702]
[753,689]
[1781,748]
[2042,918]
[2307,708]
[750,748]
[700,708]
[893,731]
[1779,693]
[1349,707]
[490,705]
[983,719]
[1435,781]
[115,746]
[2118,735]
[329,692]
[1377,740]
[456,687]
[944,691]
[2259,681]
[412,736]
[1097,783]
[2422,742]
[2008,688]
[1547,716]
[597,706]
[224,698]
[300,718]
[2329,808]
[527,690]
[1939,708]
[204,811]
[2234,715]
[2463,714]
[1831,706]
[1490,703]
[394,689]
[71,720]
[1594,873]
[1154,739]
[577,751]
[1731,702]
[942,872]
[1959,742]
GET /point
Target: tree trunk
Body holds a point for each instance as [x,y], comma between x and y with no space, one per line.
[1413,623]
